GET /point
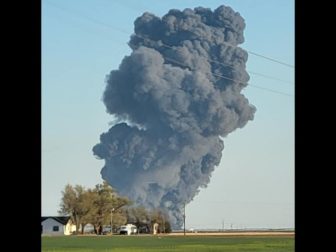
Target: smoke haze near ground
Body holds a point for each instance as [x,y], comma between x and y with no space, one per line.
[174,106]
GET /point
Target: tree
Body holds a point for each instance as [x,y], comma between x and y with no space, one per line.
[93,206]
[158,216]
[105,200]
[88,204]
[73,203]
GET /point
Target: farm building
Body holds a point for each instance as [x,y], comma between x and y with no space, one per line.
[57,225]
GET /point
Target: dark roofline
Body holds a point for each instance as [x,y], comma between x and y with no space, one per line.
[61,219]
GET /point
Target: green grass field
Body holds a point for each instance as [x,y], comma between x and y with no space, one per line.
[167,244]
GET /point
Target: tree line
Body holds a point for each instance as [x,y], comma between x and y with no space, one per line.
[102,205]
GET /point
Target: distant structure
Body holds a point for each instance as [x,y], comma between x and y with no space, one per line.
[57,225]
[155,228]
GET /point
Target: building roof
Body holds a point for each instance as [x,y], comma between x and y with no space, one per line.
[61,219]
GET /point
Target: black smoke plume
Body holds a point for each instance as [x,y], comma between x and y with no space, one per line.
[174,97]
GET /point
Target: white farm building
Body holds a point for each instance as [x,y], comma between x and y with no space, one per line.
[57,225]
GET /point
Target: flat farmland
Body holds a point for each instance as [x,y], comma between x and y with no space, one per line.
[193,242]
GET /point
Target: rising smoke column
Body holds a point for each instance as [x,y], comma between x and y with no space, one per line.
[176,94]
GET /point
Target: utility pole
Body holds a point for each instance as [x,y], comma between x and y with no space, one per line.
[223,226]
[184,216]
[112,220]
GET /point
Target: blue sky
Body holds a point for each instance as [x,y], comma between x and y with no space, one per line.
[83,40]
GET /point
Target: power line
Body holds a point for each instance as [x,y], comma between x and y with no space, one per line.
[218,75]
[215,61]
[260,55]
[87,17]
[268,58]
[165,45]
[114,27]
[228,78]
[268,89]
[271,90]
[251,52]
[270,77]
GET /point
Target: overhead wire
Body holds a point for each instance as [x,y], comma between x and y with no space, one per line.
[268,58]
[251,52]
[222,76]
[168,46]
[224,42]
[218,62]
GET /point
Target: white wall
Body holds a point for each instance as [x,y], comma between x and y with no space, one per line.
[48,225]
[89,228]
[69,228]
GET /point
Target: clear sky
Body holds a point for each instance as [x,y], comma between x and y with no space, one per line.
[83,40]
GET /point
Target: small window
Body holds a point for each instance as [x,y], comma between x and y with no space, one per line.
[55,228]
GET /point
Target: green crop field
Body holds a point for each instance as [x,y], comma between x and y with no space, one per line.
[167,243]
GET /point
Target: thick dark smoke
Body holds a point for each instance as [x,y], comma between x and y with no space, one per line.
[174,96]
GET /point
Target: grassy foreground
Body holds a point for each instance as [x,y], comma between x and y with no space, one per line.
[119,243]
